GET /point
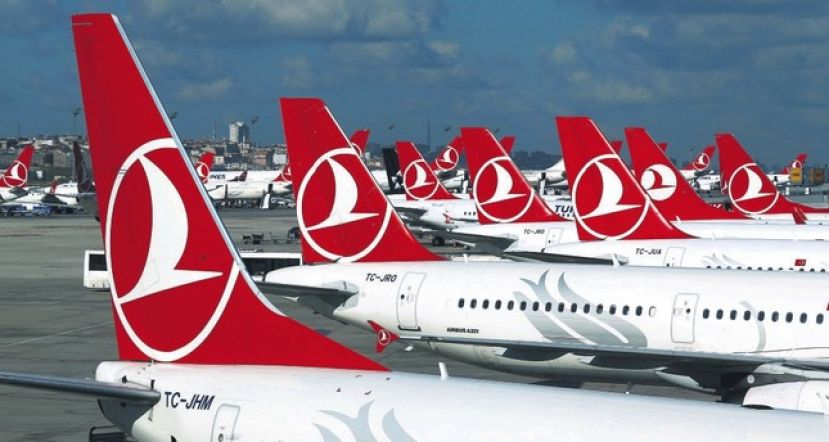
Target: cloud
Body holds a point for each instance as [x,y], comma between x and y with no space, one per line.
[208,91]
[25,16]
[251,20]
[297,72]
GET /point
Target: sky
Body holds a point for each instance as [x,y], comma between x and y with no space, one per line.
[683,70]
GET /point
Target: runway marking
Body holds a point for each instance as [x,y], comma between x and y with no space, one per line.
[41,338]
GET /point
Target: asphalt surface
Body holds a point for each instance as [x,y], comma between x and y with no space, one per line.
[50,324]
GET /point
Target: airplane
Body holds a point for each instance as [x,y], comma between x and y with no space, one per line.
[210,359]
[14,178]
[633,215]
[585,322]
[700,164]
[751,191]
[783,176]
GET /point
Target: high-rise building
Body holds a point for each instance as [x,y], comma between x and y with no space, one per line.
[239,132]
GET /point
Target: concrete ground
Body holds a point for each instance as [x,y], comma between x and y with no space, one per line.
[50,324]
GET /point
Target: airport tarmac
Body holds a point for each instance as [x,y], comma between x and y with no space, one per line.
[50,324]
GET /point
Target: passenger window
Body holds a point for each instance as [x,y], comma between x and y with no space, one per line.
[789,317]
[599,309]
[587,308]
[612,309]
[639,310]
[573,307]
[548,307]
[652,311]
[473,303]
[625,310]
[523,305]
[705,313]
[747,315]
[733,314]
[761,315]
[460,303]
[498,305]
[485,304]
[775,316]
[819,318]
[803,318]
[561,307]
[510,305]
[719,313]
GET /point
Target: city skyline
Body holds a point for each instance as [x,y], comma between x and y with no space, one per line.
[683,71]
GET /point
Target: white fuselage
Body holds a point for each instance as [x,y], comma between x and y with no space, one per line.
[261,403]
[760,254]
[708,182]
[711,311]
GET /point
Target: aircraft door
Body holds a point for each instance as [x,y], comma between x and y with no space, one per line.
[224,424]
[407,300]
[553,237]
[682,318]
[673,258]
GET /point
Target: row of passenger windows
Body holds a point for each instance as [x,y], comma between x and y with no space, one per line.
[760,316]
[561,307]
[791,269]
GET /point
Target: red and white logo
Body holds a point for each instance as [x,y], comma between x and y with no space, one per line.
[749,191]
[417,181]
[333,214]
[702,162]
[17,175]
[202,170]
[159,270]
[796,164]
[603,205]
[448,159]
[496,193]
[659,181]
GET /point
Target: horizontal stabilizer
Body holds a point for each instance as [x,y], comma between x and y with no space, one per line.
[342,289]
[86,387]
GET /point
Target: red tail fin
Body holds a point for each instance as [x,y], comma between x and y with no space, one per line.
[797,163]
[701,162]
[501,192]
[745,183]
[419,181]
[668,190]
[179,290]
[607,200]
[284,174]
[343,215]
[204,165]
[17,174]
[507,143]
[616,145]
[449,157]
[359,140]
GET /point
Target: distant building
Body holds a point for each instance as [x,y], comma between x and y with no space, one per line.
[239,132]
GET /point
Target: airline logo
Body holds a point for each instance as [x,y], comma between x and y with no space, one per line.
[659,181]
[797,164]
[448,159]
[17,174]
[702,162]
[330,208]
[494,190]
[203,171]
[418,182]
[603,205]
[749,191]
[284,175]
[164,271]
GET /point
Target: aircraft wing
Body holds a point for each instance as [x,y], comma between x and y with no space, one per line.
[672,361]
[86,387]
[500,243]
[413,212]
[556,258]
[340,290]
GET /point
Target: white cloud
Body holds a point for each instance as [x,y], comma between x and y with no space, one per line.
[206,91]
